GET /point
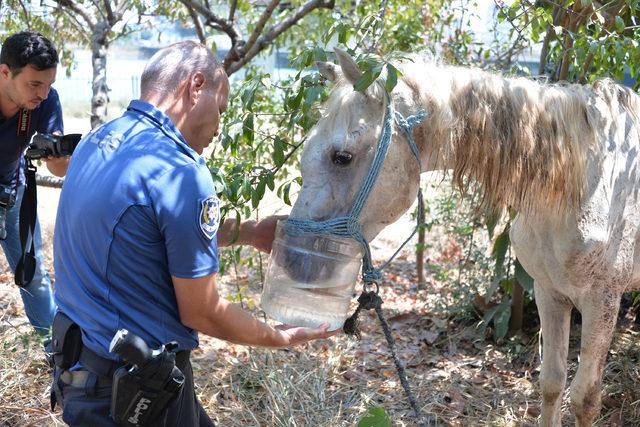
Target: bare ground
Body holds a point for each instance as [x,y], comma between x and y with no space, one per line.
[459,378]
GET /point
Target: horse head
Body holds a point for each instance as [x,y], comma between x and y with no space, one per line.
[340,149]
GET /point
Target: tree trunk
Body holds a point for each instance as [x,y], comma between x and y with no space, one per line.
[420,249]
[517,308]
[100,97]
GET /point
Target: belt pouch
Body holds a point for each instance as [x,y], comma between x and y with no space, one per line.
[67,341]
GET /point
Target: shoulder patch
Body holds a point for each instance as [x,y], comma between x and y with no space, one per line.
[209,216]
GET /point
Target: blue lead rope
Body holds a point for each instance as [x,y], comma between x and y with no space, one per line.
[348,225]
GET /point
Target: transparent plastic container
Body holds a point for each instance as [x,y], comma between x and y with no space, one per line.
[310,279]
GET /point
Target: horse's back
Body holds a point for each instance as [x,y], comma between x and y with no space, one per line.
[595,244]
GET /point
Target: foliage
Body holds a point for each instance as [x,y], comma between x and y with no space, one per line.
[375,417]
[16,16]
[581,40]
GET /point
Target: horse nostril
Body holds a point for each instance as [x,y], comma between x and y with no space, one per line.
[342,158]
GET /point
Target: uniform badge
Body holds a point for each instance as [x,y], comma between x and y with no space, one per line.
[209,218]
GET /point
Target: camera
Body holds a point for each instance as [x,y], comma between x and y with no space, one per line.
[7,200]
[45,145]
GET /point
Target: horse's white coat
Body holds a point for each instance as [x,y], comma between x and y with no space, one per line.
[584,254]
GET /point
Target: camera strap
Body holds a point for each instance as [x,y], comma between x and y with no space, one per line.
[23,135]
[24,125]
[26,267]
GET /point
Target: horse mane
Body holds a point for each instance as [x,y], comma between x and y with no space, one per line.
[527,144]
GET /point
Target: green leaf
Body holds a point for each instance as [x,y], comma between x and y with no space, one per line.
[278,151]
[255,199]
[344,34]
[585,3]
[620,25]
[285,193]
[375,417]
[491,219]
[501,319]
[271,184]
[246,188]
[319,54]
[261,187]
[247,129]
[523,277]
[488,316]
[392,78]
[364,81]
[500,247]
[294,103]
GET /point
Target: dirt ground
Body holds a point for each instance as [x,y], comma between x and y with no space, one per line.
[459,377]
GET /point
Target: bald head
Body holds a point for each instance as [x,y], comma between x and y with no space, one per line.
[172,65]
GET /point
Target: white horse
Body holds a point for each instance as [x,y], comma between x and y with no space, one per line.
[564,156]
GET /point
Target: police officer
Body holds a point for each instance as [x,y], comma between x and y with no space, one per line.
[137,235]
[28,104]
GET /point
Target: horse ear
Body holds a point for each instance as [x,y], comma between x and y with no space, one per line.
[348,65]
[328,70]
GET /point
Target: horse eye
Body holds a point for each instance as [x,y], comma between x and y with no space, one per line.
[342,158]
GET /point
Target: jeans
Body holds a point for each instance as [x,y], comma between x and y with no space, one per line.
[37,297]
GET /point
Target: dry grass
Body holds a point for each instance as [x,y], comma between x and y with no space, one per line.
[458,377]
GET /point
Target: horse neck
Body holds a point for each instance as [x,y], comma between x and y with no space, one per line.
[519,140]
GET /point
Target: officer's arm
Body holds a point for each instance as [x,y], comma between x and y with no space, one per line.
[258,234]
[57,165]
[201,308]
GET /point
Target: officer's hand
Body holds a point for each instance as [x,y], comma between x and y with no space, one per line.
[264,231]
[57,165]
[295,335]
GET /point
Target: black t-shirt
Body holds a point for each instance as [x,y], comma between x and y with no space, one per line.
[46,118]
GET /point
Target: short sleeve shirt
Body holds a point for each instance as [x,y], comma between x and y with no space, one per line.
[46,118]
[138,206]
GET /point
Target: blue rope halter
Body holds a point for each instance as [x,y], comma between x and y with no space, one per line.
[348,225]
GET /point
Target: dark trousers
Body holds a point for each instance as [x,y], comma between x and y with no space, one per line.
[88,404]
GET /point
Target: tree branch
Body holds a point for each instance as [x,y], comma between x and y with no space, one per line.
[96,4]
[381,12]
[78,10]
[214,20]
[574,20]
[27,18]
[232,65]
[558,15]
[232,10]
[122,7]
[259,27]
[198,24]
[80,26]
[110,16]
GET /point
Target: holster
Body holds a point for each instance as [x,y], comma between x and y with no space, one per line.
[67,341]
[141,394]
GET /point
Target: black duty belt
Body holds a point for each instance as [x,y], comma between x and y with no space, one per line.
[105,368]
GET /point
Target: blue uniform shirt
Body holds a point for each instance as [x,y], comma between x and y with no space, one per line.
[138,206]
[46,118]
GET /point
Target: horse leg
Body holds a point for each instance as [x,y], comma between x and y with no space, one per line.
[599,314]
[555,320]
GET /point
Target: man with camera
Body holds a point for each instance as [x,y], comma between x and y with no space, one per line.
[28,104]
[136,254]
